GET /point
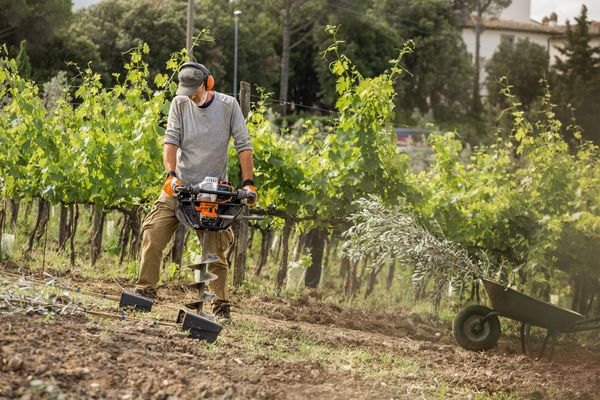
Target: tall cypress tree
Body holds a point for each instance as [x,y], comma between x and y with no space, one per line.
[577,78]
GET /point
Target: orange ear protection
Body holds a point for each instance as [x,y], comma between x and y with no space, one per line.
[209,81]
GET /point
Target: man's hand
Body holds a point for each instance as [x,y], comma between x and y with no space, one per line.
[171,183]
[248,188]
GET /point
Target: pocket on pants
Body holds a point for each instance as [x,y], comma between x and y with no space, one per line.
[226,239]
[155,212]
[151,216]
[169,202]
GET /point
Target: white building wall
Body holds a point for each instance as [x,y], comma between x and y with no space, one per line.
[519,10]
[554,44]
[491,39]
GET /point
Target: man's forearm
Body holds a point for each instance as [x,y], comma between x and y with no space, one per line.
[247,165]
[170,157]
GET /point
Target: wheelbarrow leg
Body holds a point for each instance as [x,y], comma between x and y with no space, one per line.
[554,337]
[528,340]
[523,349]
[548,334]
[525,337]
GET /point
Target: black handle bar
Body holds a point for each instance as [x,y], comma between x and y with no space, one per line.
[193,189]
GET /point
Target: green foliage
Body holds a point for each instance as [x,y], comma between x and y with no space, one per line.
[440,70]
[37,22]
[368,41]
[580,57]
[526,207]
[524,64]
[22,126]
[488,7]
[105,32]
[515,198]
[102,34]
[23,61]
[319,176]
[576,82]
[577,78]
[106,150]
[361,150]
[259,42]
[279,171]
[384,232]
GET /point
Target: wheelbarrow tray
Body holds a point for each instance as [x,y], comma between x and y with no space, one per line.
[512,304]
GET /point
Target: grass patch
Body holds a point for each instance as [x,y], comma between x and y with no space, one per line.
[298,347]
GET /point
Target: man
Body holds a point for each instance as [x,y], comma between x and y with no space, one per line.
[199,127]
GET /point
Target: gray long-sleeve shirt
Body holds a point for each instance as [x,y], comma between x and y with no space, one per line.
[202,136]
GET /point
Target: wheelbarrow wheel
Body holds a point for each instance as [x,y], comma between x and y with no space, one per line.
[474,328]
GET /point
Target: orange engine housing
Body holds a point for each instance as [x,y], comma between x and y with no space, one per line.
[207,209]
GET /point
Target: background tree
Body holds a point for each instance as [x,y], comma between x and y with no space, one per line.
[102,33]
[439,67]
[259,42]
[577,78]
[37,22]
[299,18]
[524,64]
[112,27]
[368,39]
[479,9]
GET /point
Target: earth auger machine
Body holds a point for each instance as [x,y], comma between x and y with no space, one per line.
[209,206]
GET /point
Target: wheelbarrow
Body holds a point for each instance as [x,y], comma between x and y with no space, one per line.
[477,327]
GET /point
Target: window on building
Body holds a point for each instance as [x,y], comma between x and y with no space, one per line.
[507,39]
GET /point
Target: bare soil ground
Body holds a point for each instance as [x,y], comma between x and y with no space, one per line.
[278,348]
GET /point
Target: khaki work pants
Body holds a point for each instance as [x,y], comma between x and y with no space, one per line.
[158,228]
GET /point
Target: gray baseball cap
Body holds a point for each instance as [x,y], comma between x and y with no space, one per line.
[190,79]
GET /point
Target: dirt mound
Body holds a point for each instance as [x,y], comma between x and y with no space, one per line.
[311,310]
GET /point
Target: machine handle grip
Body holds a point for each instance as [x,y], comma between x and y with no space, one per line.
[193,189]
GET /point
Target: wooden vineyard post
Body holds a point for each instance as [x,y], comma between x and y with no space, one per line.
[241,226]
[2,219]
[285,238]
